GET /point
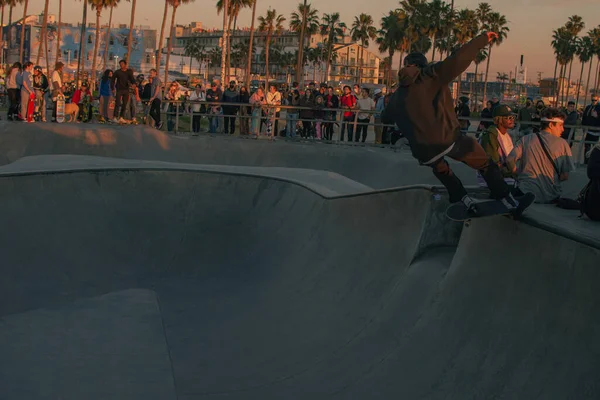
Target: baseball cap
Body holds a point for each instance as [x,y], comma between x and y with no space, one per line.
[415,58]
[502,111]
[377,91]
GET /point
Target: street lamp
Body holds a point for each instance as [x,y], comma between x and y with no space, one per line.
[182,64]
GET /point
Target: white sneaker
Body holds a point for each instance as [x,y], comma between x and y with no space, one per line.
[510,202]
[470,204]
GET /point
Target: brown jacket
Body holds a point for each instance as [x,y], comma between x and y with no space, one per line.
[422,106]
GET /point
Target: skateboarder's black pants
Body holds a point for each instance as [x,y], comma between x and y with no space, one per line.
[122,100]
[229,119]
[363,125]
[155,111]
[468,151]
[13,97]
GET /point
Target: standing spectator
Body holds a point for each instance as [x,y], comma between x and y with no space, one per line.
[122,79]
[525,118]
[106,92]
[365,103]
[134,98]
[292,113]
[230,95]
[536,117]
[591,119]
[274,100]
[462,111]
[379,106]
[307,103]
[40,85]
[196,97]
[245,111]
[331,101]
[572,118]
[545,159]
[319,114]
[347,102]
[156,99]
[486,113]
[214,110]
[57,85]
[173,95]
[257,101]
[13,91]
[26,89]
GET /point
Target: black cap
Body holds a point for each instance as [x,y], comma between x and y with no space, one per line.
[415,58]
[502,111]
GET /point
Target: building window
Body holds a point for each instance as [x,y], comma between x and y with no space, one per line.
[111,41]
[111,55]
[90,39]
[76,54]
[148,58]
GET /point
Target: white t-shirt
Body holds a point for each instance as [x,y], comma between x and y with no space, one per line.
[274,99]
[197,97]
[365,104]
[506,144]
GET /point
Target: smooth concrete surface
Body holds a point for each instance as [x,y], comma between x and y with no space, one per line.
[376,167]
[268,289]
[89,349]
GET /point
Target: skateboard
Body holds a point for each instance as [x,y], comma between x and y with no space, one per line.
[31,107]
[60,108]
[488,208]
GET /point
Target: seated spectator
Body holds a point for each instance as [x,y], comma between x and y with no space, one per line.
[498,144]
[83,98]
[544,158]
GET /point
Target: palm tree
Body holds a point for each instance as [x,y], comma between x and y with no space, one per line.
[560,43]
[312,20]
[437,12]
[466,28]
[80,59]
[496,22]
[362,30]
[131,26]
[585,52]
[594,35]
[251,50]
[97,5]
[175,4]
[233,10]
[112,4]
[58,34]
[389,37]
[3,3]
[43,35]
[481,57]
[333,28]
[26,3]
[162,36]
[271,24]
[574,26]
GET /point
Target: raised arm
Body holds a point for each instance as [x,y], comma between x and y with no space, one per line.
[458,62]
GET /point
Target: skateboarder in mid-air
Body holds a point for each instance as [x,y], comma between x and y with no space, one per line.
[423,109]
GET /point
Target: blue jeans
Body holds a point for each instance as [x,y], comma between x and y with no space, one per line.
[213,122]
[290,127]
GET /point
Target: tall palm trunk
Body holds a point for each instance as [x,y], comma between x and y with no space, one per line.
[475,81]
[587,85]
[389,79]
[249,63]
[579,85]
[130,38]
[43,34]
[566,98]
[107,39]
[224,47]
[560,87]
[170,47]
[2,26]
[433,51]
[487,71]
[554,82]
[300,61]
[228,49]
[162,37]
[80,66]
[329,56]
[22,47]
[96,44]
[58,33]
[267,62]
[597,72]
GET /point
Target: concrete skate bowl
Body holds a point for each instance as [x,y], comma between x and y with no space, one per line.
[376,167]
[163,284]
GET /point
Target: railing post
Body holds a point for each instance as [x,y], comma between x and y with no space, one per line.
[177,117]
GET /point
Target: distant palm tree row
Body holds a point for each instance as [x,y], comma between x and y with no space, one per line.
[416,25]
[567,44]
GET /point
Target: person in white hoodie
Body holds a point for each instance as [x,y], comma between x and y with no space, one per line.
[12,88]
[196,97]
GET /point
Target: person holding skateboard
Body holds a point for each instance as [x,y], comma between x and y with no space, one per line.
[423,109]
[27,92]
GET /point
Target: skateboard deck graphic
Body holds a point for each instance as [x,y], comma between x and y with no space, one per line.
[31,107]
[488,208]
[60,108]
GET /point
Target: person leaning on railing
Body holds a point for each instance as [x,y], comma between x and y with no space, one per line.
[245,111]
[257,101]
[331,101]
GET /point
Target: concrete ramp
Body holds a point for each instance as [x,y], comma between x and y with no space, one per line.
[269,289]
